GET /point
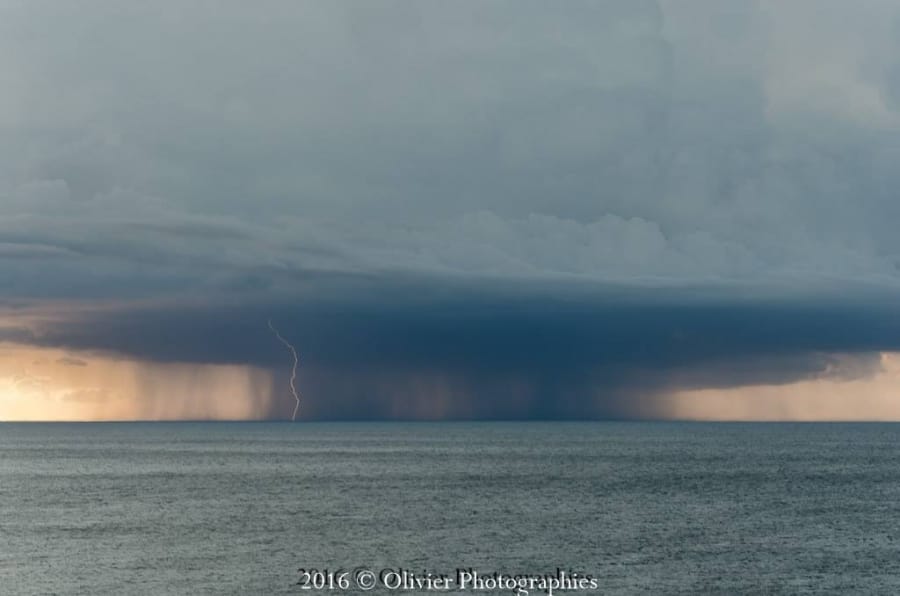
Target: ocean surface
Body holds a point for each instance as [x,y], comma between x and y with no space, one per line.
[645,508]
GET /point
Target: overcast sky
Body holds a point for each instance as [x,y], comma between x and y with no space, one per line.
[467,209]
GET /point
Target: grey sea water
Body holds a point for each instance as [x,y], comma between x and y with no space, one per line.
[646,508]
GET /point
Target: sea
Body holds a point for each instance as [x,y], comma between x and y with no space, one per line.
[352,508]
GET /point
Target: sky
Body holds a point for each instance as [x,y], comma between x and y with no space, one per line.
[454,210]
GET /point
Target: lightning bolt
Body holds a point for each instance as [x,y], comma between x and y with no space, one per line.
[288,345]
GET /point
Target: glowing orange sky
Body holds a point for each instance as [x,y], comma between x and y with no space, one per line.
[52,384]
[873,398]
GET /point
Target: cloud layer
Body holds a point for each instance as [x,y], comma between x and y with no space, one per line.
[505,209]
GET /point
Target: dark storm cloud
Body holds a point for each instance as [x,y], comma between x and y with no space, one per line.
[381,322]
[573,351]
[562,204]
